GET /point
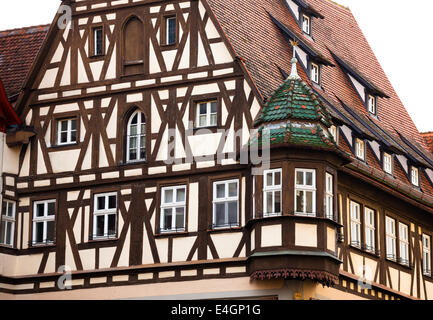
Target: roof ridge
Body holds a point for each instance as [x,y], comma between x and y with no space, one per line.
[22,30]
[339,6]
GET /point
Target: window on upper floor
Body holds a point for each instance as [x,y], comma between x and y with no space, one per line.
[305,192]
[414,176]
[43,227]
[306,24]
[66,131]
[333,131]
[355,224]
[315,73]
[391,239]
[362,224]
[105,216]
[426,254]
[370,229]
[403,235]
[272,192]
[173,209]
[206,114]
[169,31]
[136,137]
[387,163]
[371,104]
[133,47]
[97,45]
[7,226]
[329,196]
[360,149]
[226,204]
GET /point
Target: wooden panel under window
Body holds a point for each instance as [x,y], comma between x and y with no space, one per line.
[133,47]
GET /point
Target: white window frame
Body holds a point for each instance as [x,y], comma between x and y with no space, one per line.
[329,195]
[95,41]
[333,132]
[105,212]
[167,30]
[306,188]
[403,238]
[426,254]
[274,188]
[209,113]
[68,131]
[370,229]
[306,24]
[44,219]
[141,119]
[355,224]
[315,73]
[225,200]
[387,163]
[414,176]
[371,103]
[9,222]
[391,239]
[173,206]
[360,148]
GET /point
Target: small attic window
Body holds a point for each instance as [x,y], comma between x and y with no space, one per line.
[414,176]
[333,132]
[360,149]
[371,104]
[315,73]
[306,24]
[387,163]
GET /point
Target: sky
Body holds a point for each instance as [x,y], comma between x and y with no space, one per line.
[399,32]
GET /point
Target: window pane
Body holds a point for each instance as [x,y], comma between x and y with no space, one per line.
[269,179]
[299,201]
[269,199]
[111,224]
[167,219]
[135,119]
[180,195]
[233,212]
[11,208]
[51,208]
[220,190]
[220,214]
[74,136]
[213,119]
[8,233]
[309,178]
[4,208]
[309,196]
[50,231]
[180,218]
[39,232]
[112,202]
[213,107]
[3,232]
[299,177]
[64,137]
[133,154]
[171,30]
[64,125]
[203,108]
[100,225]
[202,121]
[233,189]
[277,195]
[168,196]
[100,203]
[74,124]
[40,210]
[133,129]
[277,177]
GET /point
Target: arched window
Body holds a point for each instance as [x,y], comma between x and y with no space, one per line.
[136,137]
[133,49]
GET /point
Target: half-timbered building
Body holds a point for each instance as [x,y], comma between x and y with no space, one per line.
[132,174]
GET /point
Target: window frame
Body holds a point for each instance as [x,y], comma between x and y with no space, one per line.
[138,148]
[68,131]
[370,226]
[44,219]
[165,30]
[417,182]
[370,98]
[208,113]
[4,218]
[315,79]
[105,212]
[426,261]
[393,237]
[306,188]
[273,188]
[329,196]
[355,223]
[403,243]
[308,18]
[93,40]
[226,200]
[386,155]
[173,205]
[357,154]
[334,132]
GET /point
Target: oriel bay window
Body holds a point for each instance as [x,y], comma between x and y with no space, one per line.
[329,196]
[105,216]
[272,192]
[43,227]
[7,227]
[426,254]
[173,208]
[305,192]
[226,204]
[136,137]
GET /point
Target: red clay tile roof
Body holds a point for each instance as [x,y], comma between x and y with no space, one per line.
[428,138]
[18,49]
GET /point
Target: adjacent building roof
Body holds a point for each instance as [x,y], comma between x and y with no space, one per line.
[428,138]
[18,49]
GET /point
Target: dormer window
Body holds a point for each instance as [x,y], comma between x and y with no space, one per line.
[387,163]
[371,104]
[315,73]
[360,149]
[306,24]
[414,176]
